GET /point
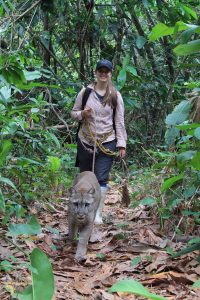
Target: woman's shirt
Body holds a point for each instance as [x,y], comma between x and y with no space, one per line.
[101,121]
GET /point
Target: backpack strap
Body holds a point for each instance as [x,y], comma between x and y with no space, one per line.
[114,112]
[85,97]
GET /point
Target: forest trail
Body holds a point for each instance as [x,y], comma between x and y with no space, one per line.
[129,245]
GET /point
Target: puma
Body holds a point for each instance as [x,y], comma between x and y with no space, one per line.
[84,200]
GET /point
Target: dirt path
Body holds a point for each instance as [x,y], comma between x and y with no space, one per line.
[128,245]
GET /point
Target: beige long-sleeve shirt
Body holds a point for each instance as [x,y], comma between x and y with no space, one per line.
[101,121]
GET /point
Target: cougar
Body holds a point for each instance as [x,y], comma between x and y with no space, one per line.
[84,200]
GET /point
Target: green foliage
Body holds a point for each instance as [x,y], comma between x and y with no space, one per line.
[170,182]
[161,30]
[195,246]
[101,256]
[42,278]
[134,287]
[31,228]
[179,114]
[187,49]
[4,150]
[136,261]
[6,265]
[196,284]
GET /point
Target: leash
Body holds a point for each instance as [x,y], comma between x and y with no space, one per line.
[99,143]
[95,143]
[125,198]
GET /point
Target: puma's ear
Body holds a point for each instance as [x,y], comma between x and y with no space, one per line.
[71,191]
[91,191]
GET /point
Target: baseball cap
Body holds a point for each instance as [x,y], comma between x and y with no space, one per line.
[104,63]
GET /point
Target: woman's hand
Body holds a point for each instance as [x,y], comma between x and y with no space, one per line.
[122,152]
[87,112]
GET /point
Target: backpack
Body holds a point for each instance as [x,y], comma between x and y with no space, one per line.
[84,101]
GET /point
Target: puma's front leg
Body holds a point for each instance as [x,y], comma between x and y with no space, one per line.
[84,236]
[73,229]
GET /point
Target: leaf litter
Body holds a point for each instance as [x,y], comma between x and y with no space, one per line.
[129,245]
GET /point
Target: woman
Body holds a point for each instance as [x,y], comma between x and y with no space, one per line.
[102,128]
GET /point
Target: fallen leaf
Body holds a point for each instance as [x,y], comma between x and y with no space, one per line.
[175,276]
[4,253]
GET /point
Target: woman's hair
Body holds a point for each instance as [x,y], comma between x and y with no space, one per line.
[110,96]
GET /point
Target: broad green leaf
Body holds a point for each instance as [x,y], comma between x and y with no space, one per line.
[6,265]
[4,150]
[184,159]
[187,49]
[186,36]
[160,30]
[180,26]
[5,92]
[184,156]
[176,118]
[168,183]
[183,106]
[195,162]
[43,279]
[134,287]
[188,126]
[179,114]
[9,182]
[171,134]
[121,78]
[148,201]
[32,75]
[31,228]
[132,70]
[196,284]
[54,163]
[126,60]
[197,133]
[190,11]
[140,42]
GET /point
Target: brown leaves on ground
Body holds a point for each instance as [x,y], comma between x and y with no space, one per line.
[129,245]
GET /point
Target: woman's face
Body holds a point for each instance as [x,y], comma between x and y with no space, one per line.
[103,74]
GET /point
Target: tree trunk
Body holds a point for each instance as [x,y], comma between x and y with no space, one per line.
[47,56]
[141,32]
[164,42]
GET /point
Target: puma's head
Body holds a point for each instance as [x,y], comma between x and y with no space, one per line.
[81,203]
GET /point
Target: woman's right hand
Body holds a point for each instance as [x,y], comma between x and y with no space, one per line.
[87,112]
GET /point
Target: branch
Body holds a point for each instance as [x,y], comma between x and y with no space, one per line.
[59,117]
[29,9]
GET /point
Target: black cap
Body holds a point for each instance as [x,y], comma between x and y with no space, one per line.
[104,63]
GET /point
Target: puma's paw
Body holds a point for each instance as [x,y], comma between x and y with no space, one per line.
[80,258]
[98,220]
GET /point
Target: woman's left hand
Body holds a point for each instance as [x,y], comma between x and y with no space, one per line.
[122,152]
